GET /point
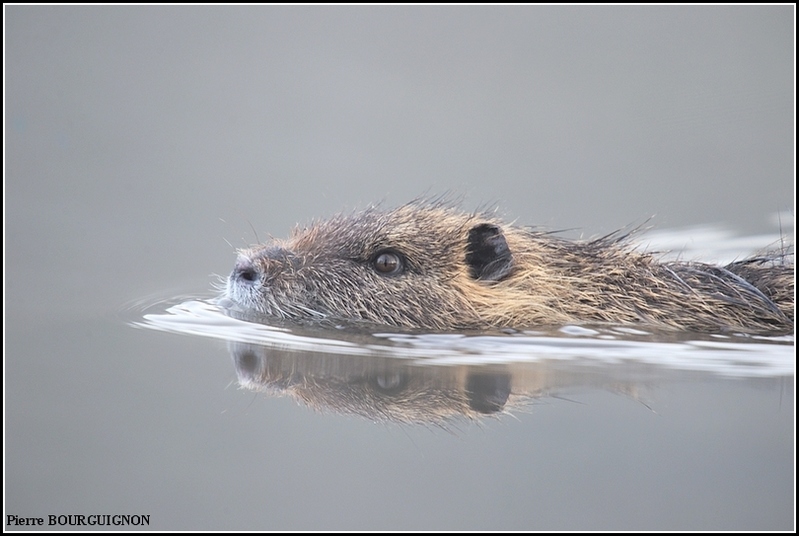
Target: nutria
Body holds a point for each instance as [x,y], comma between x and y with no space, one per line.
[429,265]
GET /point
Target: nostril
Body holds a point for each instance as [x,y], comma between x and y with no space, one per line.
[245,270]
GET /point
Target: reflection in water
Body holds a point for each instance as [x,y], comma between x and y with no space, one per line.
[431,378]
[377,388]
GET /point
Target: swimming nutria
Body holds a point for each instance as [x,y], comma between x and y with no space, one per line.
[428,265]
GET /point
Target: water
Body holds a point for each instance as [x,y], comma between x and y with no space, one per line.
[616,426]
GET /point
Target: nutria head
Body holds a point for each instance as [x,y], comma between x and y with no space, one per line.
[405,267]
[431,266]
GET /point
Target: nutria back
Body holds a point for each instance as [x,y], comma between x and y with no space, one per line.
[432,266]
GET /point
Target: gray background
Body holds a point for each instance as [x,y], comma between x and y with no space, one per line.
[142,143]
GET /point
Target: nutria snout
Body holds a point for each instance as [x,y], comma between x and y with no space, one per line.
[431,266]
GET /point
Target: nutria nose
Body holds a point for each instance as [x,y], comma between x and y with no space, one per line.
[245,270]
[263,263]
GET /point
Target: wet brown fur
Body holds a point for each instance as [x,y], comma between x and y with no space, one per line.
[472,271]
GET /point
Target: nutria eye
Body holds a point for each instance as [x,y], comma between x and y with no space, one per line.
[388,263]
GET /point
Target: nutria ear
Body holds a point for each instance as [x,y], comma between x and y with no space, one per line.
[487,253]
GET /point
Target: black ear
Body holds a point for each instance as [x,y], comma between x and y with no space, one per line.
[487,253]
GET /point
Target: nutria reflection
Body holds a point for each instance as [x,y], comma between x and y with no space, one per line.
[392,390]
